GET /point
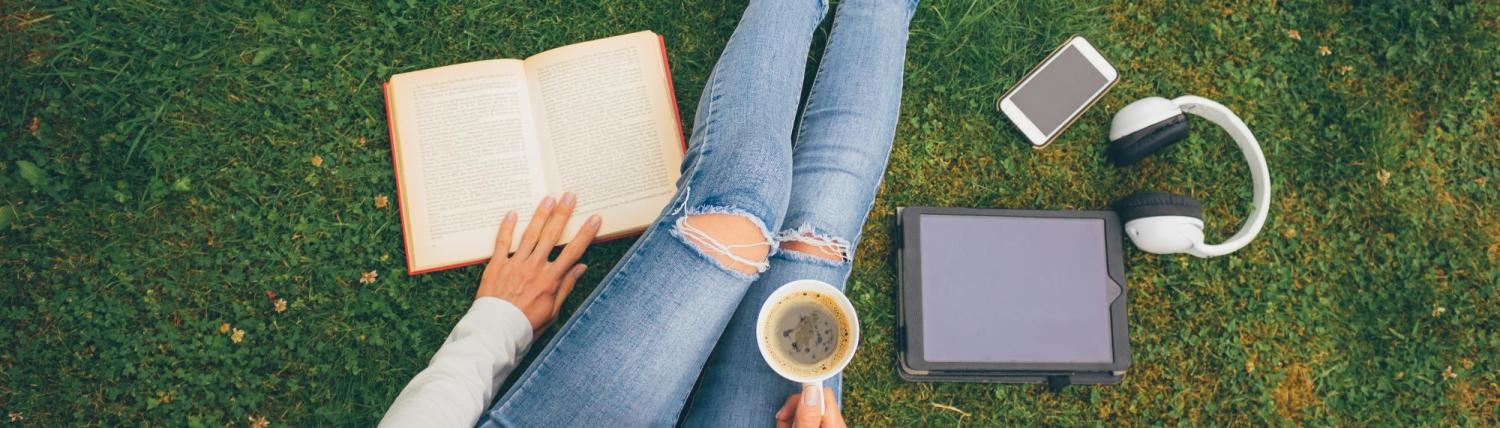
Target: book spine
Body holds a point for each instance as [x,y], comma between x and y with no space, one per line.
[390,124]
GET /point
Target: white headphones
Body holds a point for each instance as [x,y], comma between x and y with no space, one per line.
[1167,223]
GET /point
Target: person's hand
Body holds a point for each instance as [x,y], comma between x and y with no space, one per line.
[800,413]
[526,279]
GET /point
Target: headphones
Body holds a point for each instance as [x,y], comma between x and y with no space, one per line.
[1169,223]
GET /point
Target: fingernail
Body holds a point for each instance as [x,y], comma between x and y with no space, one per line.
[510,215]
[580,269]
[595,219]
[812,395]
[569,199]
[546,202]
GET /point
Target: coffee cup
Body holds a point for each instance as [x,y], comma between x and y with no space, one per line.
[807,332]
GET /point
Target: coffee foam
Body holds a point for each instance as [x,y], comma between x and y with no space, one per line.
[807,334]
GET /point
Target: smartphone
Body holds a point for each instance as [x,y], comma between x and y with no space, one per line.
[1058,90]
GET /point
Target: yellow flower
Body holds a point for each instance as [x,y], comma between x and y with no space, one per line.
[17,417]
[223,328]
[1294,35]
[317,160]
[238,336]
[368,277]
[382,201]
[259,422]
[1346,69]
[280,305]
[1323,50]
[1449,374]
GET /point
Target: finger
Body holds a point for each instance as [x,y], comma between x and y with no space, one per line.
[555,225]
[833,415]
[502,247]
[503,238]
[563,290]
[534,228]
[567,287]
[784,416]
[788,408]
[809,408]
[575,248]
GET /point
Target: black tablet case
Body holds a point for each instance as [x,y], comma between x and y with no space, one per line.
[1055,378]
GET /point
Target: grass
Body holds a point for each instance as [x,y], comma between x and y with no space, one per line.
[157,183]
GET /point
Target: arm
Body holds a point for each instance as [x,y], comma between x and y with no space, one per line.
[466,372]
[519,295]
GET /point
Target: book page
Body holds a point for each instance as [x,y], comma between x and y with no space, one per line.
[467,152]
[609,128]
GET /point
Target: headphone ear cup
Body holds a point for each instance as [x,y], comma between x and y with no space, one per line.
[1137,145]
[1153,204]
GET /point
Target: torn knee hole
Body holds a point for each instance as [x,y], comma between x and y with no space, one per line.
[806,242]
[734,240]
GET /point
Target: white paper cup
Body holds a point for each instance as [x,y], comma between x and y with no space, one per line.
[842,304]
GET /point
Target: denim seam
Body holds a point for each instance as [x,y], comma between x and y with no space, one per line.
[708,133]
[812,92]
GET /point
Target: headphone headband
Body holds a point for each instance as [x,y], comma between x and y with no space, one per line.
[1260,173]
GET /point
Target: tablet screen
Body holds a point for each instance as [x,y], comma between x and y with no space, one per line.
[1014,290]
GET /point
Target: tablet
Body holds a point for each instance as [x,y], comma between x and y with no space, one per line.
[1012,296]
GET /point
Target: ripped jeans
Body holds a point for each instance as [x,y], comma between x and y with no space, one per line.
[679,308]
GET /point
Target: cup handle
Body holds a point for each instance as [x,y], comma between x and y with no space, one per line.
[822,408]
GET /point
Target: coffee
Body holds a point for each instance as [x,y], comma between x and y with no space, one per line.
[807,334]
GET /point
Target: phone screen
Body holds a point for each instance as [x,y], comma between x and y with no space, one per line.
[1059,90]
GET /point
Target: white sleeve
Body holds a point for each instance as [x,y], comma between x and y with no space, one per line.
[466,371]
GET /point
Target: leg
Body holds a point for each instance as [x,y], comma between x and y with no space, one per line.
[630,354]
[840,156]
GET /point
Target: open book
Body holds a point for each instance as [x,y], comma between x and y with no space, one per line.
[472,141]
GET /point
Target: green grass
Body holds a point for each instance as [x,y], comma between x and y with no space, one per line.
[155,183]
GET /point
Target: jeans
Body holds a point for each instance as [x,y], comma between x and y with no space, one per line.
[669,311]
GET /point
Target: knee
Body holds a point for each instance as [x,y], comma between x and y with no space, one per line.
[736,241]
[805,241]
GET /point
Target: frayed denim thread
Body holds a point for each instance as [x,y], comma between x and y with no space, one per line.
[697,240]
